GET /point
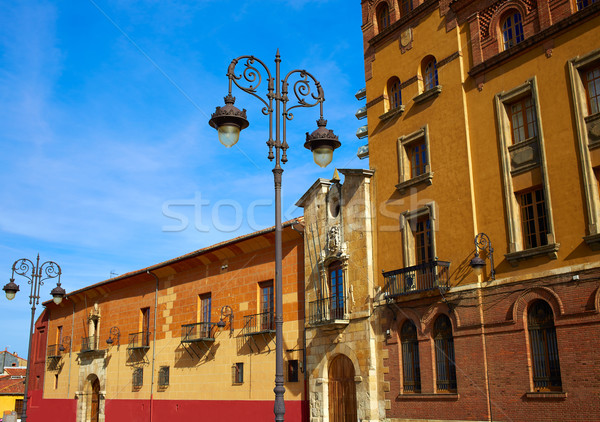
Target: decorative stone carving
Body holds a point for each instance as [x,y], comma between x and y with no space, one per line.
[333,240]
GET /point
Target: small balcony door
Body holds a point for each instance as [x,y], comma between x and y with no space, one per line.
[266,306]
[336,289]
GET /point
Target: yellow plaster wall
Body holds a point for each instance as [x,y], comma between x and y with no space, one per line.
[207,377]
[467,183]
[7,403]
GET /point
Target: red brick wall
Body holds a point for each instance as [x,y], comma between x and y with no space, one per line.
[575,304]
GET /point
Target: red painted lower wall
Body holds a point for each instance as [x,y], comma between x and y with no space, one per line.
[64,410]
[41,410]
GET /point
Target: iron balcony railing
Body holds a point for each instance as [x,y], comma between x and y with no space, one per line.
[418,278]
[259,323]
[54,350]
[326,310]
[197,332]
[139,340]
[88,343]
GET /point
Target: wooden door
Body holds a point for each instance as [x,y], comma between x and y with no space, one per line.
[95,408]
[342,391]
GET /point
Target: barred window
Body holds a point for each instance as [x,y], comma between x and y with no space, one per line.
[138,377]
[410,358]
[163,376]
[444,354]
[544,347]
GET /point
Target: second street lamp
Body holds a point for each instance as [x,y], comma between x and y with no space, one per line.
[36,274]
[229,121]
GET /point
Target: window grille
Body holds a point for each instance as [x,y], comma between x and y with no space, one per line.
[444,355]
[138,377]
[544,347]
[410,358]
[163,376]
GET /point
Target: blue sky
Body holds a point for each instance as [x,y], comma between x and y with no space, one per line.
[108,164]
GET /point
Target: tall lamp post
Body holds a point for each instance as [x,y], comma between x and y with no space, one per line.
[36,274]
[229,121]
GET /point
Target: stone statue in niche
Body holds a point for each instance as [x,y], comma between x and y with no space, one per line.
[333,239]
[93,318]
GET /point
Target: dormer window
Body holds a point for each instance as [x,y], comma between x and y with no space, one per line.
[512,29]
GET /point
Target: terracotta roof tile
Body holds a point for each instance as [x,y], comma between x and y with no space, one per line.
[15,371]
[10,385]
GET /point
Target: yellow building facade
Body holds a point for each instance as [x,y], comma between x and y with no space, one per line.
[483,123]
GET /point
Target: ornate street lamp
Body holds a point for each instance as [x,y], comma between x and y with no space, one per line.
[229,121]
[483,242]
[36,274]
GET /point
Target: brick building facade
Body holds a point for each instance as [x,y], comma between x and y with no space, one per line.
[188,338]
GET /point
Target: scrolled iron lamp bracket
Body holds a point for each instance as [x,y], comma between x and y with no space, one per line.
[113,335]
[483,243]
[226,312]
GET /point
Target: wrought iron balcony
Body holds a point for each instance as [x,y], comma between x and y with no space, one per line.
[88,344]
[202,331]
[418,278]
[55,350]
[327,310]
[139,340]
[259,323]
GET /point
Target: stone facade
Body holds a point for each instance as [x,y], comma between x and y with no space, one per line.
[338,243]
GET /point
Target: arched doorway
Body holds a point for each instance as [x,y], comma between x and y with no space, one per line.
[342,390]
[92,413]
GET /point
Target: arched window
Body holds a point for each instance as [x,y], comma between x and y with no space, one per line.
[444,354]
[336,290]
[512,29]
[383,16]
[544,348]
[405,7]
[410,358]
[429,72]
[394,94]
